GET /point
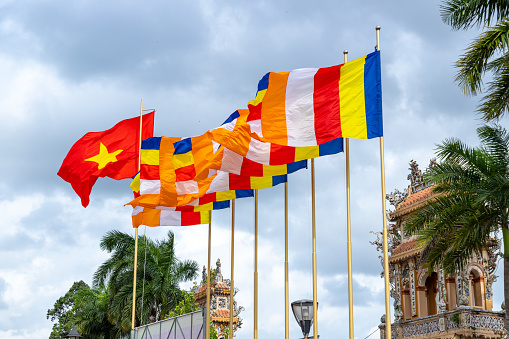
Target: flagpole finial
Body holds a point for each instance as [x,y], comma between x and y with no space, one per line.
[378,28]
[345,51]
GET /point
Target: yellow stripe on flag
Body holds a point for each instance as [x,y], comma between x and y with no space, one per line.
[261,182]
[351,100]
[225,195]
[149,157]
[182,160]
[259,97]
[205,217]
[307,152]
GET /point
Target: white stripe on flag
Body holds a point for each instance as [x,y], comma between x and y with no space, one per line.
[150,186]
[170,218]
[300,114]
[187,187]
[220,183]
[259,151]
[232,162]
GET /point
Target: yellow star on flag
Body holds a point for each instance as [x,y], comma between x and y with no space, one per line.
[104,158]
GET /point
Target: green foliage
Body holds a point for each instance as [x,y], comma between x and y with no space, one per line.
[64,311]
[104,311]
[472,203]
[488,53]
[187,305]
[159,274]
[455,318]
[213,332]
[473,200]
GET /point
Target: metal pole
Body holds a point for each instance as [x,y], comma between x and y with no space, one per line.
[349,229]
[313,218]
[207,323]
[386,242]
[256,265]
[135,268]
[232,269]
[287,314]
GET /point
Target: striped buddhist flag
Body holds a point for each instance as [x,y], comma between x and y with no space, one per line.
[247,153]
[162,217]
[312,106]
[174,187]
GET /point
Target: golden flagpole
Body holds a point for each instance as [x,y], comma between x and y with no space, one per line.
[208,279]
[287,301]
[313,219]
[388,333]
[135,268]
[232,269]
[255,330]
[349,229]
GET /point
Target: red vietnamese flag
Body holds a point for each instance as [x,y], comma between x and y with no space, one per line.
[112,153]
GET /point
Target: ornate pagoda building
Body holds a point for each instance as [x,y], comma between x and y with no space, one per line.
[219,300]
[435,305]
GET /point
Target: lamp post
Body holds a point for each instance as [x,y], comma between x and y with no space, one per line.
[303,312]
[74,334]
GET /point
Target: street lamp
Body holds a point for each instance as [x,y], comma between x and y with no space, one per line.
[303,312]
[74,334]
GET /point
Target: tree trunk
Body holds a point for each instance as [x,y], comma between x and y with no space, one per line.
[506,292]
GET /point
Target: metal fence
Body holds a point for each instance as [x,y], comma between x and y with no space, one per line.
[187,326]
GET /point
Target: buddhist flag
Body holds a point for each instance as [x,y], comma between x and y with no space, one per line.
[174,172]
[312,106]
[162,217]
[246,153]
[208,202]
[112,153]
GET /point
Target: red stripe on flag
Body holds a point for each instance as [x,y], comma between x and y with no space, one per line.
[326,104]
[149,172]
[238,182]
[251,168]
[281,155]
[209,197]
[255,112]
[190,218]
[185,173]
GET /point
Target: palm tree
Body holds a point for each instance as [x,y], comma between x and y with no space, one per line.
[159,274]
[92,316]
[487,53]
[471,204]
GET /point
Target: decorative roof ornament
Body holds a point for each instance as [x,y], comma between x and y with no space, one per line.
[415,175]
[396,196]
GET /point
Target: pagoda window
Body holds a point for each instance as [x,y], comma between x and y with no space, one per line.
[476,291]
[431,293]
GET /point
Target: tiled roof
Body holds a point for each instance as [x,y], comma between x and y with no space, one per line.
[417,196]
[406,246]
[412,202]
[223,313]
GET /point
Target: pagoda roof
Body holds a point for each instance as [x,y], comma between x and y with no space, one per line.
[406,250]
[412,202]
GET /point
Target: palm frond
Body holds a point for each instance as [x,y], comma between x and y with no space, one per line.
[463,14]
[474,63]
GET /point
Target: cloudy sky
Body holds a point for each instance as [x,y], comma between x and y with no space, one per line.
[70,67]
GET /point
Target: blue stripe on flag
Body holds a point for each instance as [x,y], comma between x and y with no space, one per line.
[264,82]
[232,117]
[151,143]
[183,146]
[244,193]
[219,205]
[279,179]
[373,95]
[295,166]
[331,147]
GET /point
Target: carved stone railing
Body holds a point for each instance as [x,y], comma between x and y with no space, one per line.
[466,321]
